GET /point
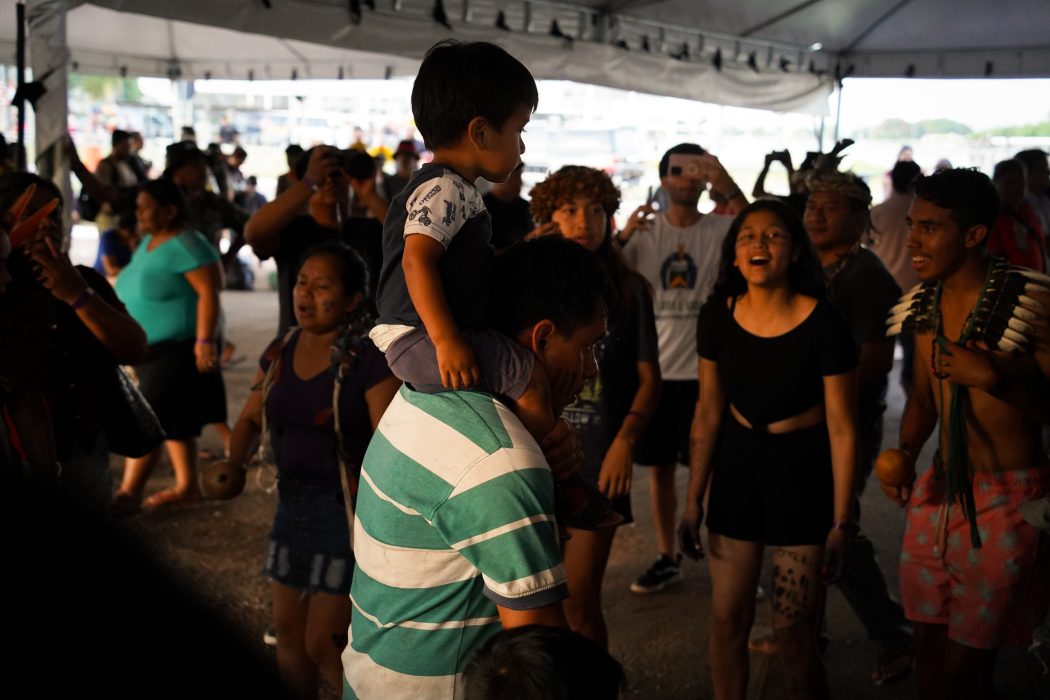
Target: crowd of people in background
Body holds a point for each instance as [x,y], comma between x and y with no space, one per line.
[461,383]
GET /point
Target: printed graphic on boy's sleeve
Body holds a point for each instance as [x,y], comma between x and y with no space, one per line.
[424,216]
[433,191]
[450,213]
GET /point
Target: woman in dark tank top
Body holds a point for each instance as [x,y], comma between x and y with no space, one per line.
[775,435]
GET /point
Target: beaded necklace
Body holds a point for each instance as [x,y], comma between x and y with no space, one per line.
[959,476]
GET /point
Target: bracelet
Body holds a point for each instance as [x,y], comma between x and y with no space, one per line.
[83,299]
[205,341]
[308,181]
[842,526]
[637,414]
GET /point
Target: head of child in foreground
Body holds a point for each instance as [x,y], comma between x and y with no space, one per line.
[474,99]
[767,246]
[580,200]
[949,220]
[536,662]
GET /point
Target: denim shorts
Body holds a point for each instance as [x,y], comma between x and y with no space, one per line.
[310,540]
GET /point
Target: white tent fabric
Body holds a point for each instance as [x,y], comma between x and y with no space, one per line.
[238,38]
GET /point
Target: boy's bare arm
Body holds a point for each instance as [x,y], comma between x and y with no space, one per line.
[456,362]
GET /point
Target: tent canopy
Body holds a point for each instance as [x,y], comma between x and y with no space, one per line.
[765,50]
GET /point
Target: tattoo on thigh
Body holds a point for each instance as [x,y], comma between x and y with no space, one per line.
[793,591]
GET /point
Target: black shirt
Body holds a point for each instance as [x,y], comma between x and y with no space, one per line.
[771,379]
[605,401]
[440,203]
[864,291]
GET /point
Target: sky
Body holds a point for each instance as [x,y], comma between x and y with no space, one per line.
[980,104]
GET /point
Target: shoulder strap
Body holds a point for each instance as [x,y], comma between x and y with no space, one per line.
[265,452]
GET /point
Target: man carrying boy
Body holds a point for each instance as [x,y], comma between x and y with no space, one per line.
[974,575]
[455,534]
[678,252]
[471,103]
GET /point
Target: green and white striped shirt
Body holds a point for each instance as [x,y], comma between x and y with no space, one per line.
[455,514]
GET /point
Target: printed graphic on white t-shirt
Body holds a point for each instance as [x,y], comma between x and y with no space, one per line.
[439,207]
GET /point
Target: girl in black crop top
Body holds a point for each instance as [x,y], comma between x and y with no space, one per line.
[775,435]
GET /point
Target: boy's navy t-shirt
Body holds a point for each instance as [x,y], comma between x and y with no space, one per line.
[440,203]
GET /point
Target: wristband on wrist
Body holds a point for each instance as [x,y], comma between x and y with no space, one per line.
[638,414]
[83,299]
[308,181]
[842,526]
[205,341]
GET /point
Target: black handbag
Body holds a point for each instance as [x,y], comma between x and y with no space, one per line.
[132,428]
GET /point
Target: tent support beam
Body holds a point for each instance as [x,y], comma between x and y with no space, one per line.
[779,18]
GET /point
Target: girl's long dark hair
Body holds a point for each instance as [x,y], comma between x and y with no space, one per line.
[805,275]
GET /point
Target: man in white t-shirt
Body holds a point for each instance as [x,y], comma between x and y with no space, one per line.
[678,251]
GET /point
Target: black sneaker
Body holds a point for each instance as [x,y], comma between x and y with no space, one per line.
[663,573]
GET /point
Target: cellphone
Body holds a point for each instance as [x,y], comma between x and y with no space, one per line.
[686,165]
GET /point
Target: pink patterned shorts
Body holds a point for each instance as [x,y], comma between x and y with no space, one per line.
[988,597]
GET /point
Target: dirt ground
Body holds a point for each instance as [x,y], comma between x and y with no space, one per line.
[661,639]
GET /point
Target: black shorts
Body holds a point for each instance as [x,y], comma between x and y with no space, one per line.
[773,489]
[666,439]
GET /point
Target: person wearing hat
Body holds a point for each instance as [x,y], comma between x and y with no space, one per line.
[406,159]
[837,216]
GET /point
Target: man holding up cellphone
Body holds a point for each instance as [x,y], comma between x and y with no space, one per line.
[677,250]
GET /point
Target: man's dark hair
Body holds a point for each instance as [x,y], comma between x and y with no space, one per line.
[358,164]
[294,149]
[805,275]
[1010,166]
[1032,157]
[687,148]
[536,662]
[458,82]
[903,173]
[967,193]
[240,152]
[549,278]
[119,136]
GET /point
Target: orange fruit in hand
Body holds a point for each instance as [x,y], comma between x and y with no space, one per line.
[895,468]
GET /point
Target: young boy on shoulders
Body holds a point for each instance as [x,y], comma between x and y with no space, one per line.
[471,102]
[974,575]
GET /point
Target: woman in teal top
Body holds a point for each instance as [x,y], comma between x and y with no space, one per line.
[171,287]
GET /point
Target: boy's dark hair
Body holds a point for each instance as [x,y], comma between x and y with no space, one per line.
[687,148]
[458,82]
[536,662]
[119,136]
[967,193]
[903,173]
[805,275]
[549,278]
[294,149]
[167,194]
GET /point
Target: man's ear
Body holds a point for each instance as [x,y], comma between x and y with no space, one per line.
[539,336]
[478,132]
[975,235]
